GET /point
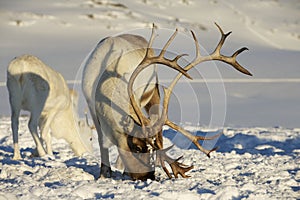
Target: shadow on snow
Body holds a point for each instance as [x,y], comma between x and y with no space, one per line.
[240,143]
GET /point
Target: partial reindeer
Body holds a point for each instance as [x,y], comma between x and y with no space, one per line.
[122,90]
[37,88]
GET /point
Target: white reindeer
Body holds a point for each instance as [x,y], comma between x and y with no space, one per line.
[37,88]
[119,80]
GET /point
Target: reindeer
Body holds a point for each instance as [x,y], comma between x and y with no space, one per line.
[37,88]
[121,88]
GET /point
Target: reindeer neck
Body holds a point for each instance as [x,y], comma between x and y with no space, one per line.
[65,125]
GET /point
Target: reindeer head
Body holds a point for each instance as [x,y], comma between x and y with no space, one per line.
[81,138]
[86,133]
[138,160]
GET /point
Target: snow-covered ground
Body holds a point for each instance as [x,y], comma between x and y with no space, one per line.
[252,163]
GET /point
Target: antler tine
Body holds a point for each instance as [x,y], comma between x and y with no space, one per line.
[178,57]
[216,55]
[163,51]
[177,167]
[235,54]
[194,138]
[152,37]
[160,59]
[198,55]
[222,40]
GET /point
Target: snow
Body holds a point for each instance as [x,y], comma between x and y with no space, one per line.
[259,152]
[251,163]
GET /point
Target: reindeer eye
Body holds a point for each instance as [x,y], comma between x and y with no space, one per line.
[138,148]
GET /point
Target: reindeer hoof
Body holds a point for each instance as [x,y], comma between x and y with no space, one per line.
[35,153]
[17,157]
[105,171]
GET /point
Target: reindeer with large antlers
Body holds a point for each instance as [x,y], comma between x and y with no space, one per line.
[119,82]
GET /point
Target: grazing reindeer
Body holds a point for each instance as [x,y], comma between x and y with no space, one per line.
[119,81]
[35,87]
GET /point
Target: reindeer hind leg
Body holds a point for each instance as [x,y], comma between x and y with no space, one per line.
[15,101]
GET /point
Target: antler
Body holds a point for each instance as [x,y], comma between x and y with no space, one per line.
[147,61]
[151,129]
[177,167]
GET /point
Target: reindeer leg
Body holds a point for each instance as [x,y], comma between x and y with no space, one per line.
[15,127]
[105,164]
[15,99]
[32,125]
[46,121]
[44,125]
